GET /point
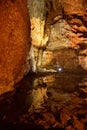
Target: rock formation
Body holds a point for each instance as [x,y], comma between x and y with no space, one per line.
[56,27]
[76,16]
[37,11]
[58,33]
[14,42]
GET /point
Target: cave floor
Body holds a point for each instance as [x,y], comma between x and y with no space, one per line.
[46,101]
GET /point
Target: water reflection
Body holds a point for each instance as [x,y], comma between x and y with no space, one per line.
[37,93]
[53,88]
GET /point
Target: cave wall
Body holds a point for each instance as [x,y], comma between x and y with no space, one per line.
[37,11]
[58,38]
[14,42]
[76,16]
[58,32]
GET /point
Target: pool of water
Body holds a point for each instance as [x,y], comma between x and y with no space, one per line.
[46,101]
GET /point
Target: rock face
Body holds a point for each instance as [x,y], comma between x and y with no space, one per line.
[37,11]
[14,42]
[58,32]
[59,25]
[76,16]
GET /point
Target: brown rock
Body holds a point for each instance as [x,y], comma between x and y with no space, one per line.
[64,117]
[69,128]
[14,40]
[66,58]
[77,124]
[57,25]
[76,15]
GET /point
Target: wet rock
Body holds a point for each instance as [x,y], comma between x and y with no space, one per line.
[14,42]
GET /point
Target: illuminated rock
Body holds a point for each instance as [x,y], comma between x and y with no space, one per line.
[57,25]
[14,42]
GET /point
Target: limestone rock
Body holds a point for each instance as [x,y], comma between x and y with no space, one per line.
[14,42]
[59,25]
[76,15]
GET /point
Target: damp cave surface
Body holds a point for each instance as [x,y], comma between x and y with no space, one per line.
[46,101]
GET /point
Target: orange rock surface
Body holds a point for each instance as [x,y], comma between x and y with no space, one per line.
[14,42]
[67,21]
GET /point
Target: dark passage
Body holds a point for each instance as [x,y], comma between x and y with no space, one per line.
[46,101]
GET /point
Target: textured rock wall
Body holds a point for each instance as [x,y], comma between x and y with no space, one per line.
[14,42]
[63,25]
[37,10]
[76,16]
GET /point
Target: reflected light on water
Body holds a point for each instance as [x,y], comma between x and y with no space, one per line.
[55,94]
